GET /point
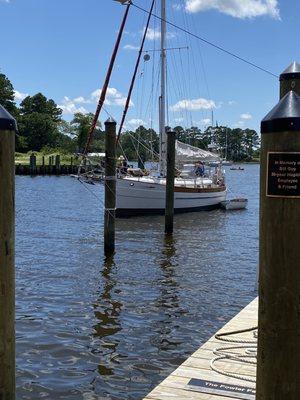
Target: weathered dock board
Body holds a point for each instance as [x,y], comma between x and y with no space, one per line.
[178,385]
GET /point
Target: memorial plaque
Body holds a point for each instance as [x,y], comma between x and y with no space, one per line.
[283,175]
[222,389]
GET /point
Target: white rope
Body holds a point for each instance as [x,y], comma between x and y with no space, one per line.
[248,356]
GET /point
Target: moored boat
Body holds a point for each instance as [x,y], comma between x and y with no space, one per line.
[234,204]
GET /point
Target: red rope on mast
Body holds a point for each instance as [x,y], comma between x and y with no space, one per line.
[106,83]
[135,73]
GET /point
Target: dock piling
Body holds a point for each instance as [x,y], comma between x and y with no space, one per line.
[278,365]
[169,212]
[110,187]
[32,162]
[57,163]
[7,261]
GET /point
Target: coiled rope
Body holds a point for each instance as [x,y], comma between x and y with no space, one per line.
[248,356]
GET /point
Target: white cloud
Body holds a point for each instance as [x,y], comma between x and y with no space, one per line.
[130,47]
[178,120]
[232,103]
[177,7]
[206,121]
[81,100]
[5,1]
[239,124]
[193,105]
[136,122]
[69,106]
[20,96]
[113,98]
[236,8]
[154,34]
[246,116]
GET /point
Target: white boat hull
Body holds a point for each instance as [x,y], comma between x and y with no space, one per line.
[140,197]
[235,204]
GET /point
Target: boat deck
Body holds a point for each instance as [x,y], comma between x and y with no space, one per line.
[195,379]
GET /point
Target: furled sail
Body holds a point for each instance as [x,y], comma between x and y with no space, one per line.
[187,153]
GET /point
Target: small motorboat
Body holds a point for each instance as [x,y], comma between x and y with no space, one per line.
[237,169]
[234,204]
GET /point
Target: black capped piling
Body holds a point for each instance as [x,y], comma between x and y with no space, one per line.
[290,79]
[278,364]
[110,187]
[169,212]
[7,255]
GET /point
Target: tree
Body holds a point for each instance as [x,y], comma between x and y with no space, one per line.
[141,145]
[7,95]
[41,105]
[81,125]
[39,122]
[39,130]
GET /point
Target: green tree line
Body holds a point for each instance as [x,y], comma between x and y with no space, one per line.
[42,128]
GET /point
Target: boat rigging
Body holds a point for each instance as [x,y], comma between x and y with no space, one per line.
[143,191]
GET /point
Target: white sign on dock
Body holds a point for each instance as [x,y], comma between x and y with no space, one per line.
[222,389]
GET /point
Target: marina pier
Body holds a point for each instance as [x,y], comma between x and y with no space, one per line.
[196,380]
[149,212]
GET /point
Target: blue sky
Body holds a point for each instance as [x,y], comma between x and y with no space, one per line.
[62,48]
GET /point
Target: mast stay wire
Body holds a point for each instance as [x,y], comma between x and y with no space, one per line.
[135,70]
[204,74]
[107,80]
[222,49]
[187,86]
[200,53]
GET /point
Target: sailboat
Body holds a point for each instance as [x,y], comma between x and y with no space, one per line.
[197,187]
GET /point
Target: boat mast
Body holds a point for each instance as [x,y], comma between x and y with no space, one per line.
[162,99]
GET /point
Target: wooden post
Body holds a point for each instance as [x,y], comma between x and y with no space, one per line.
[57,164]
[110,187]
[43,161]
[50,161]
[169,212]
[278,364]
[290,79]
[7,261]
[141,163]
[32,164]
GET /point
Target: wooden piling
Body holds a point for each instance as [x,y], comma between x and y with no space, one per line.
[290,79]
[169,212]
[110,187]
[278,369]
[57,164]
[32,163]
[7,267]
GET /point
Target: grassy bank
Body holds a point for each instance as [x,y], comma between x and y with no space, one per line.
[23,158]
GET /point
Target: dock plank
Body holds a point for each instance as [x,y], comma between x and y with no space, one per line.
[197,366]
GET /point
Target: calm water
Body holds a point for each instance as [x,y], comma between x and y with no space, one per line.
[90,329]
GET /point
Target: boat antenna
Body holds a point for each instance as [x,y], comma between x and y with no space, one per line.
[135,72]
[107,79]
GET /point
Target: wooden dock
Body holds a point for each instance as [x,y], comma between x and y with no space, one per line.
[46,170]
[196,380]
